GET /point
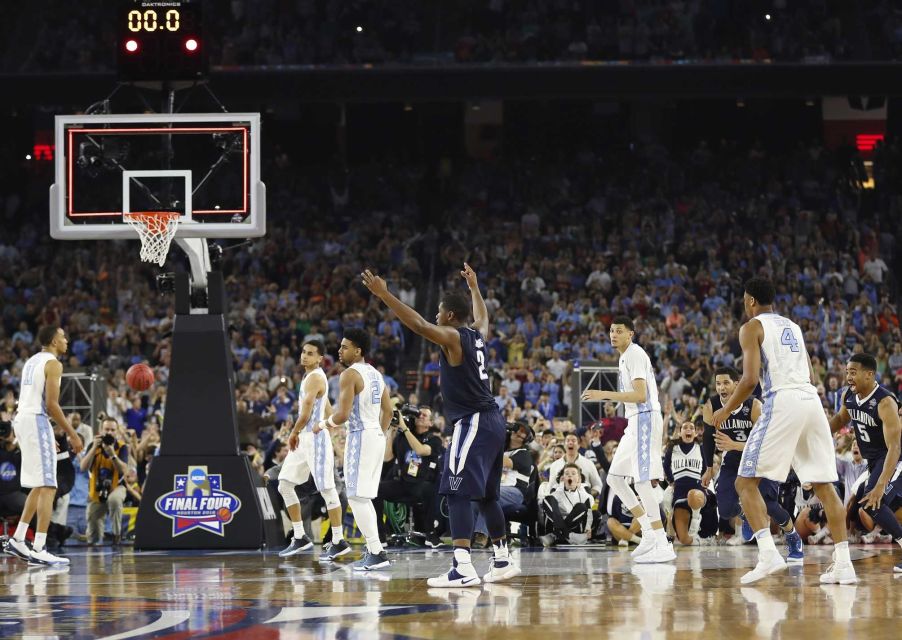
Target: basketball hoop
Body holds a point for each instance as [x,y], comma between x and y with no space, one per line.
[156,229]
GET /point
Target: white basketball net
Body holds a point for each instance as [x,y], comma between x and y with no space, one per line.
[156,229]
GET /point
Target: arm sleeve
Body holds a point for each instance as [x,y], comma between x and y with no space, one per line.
[668,458]
[602,459]
[708,446]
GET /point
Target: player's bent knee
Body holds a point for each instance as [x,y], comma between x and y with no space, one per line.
[331,498]
[289,496]
[696,499]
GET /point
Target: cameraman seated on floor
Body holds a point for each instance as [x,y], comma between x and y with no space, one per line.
[515,475]
[412,452]
[106,461]
[567,513]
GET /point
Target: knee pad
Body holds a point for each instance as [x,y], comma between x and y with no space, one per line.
[331,498]
[289,496]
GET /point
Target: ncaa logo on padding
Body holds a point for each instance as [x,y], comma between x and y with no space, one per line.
[7,472]
[198,502]
[455,482]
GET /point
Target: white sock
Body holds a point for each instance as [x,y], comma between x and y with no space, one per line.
[462,556]
[500,550]
[337,534]
[695,523]
[841,551]
[765,542]
[644,522]
[374,546]
[636,539]
[660,535]
[21,531]
[40,539]
[298,530]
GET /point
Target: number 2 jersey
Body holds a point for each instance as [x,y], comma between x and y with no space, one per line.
[465,388]
[867,423]
[737,427]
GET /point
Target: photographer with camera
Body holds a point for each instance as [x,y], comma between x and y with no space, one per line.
[413,449]
[107,462]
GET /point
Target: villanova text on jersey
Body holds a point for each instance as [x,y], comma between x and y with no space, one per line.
[867,423]
[737,427]
[465,388]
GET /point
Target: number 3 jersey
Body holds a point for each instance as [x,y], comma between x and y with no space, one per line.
[737,427]
[867,423]
[465,388]
[784,360]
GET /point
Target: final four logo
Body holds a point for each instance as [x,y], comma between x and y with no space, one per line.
[198,502]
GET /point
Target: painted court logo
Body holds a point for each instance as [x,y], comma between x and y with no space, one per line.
[198,502]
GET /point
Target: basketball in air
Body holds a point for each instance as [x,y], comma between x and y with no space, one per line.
[224,514]
[139,377]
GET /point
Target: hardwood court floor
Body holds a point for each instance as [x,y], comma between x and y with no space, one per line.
[586,593]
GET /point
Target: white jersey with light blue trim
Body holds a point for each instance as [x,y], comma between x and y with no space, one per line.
[784,360]
[319,404]
[635,364]
[367,406]
[31,393]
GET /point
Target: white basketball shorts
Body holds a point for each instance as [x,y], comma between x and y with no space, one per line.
[38,446]
[639,455]
[792,431]
[313,455]
[364,452]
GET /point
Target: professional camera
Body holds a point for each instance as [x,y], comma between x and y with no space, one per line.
[408,413]
[514,427]
[5,429]
[104,485]
[108,440]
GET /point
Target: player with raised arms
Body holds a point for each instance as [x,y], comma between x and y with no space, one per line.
[473,464]
[792,431]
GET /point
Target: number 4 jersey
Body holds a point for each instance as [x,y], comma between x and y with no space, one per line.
[465,388]
[784,360]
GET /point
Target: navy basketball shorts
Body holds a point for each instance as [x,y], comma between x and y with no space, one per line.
[473,463]
[893,488]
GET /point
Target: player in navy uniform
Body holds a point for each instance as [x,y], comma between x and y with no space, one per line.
[872,410]
[731,438]
[474,461]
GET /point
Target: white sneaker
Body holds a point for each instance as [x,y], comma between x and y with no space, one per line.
[501,569]
[461,575]
[645,546]
[17,549]
[46,558]
[839,573]
[661,553]
[767,564]
[548,540]
[623,543]
[735,541]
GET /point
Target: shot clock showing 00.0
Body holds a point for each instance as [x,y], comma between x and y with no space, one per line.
[152,20]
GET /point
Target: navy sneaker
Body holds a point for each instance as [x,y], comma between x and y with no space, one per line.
[372,561]
[794,546]
[296,546]
[898,568]
[17,549]
[335,550]
[434,542]
[747,533]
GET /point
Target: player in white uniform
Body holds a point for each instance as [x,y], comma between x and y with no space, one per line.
[365,405]
[792,430]
[311,454]
[638,455]
[38,399]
